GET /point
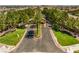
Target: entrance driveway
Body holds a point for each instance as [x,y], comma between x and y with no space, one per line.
[45,44]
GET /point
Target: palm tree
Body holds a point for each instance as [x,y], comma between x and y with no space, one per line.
[38,19]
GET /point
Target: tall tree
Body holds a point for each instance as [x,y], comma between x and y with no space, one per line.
[38,18]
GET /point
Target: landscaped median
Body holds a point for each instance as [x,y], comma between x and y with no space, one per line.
[12,38]
[66,41]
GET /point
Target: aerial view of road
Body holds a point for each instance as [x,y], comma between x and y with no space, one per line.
[40,28]
[45,44]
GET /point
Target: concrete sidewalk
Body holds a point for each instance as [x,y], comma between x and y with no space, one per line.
[5,48]
[72,48]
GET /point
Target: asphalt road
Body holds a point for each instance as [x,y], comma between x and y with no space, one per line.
[45,44]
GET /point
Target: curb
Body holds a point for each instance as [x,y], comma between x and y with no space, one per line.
[55,41]
[18,42]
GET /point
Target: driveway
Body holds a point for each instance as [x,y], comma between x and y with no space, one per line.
[45,44]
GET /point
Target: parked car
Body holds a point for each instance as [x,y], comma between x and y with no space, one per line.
[30,34]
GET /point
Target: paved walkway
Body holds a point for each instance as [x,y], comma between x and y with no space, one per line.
[5,48]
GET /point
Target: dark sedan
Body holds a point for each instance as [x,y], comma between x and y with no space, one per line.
[30,34]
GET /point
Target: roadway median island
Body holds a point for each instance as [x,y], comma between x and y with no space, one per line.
[12,38]
[38,33]
[66,42]
[9,41]
[65,39]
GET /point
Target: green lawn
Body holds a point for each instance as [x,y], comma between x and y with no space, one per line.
[12,38]
[65,39]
